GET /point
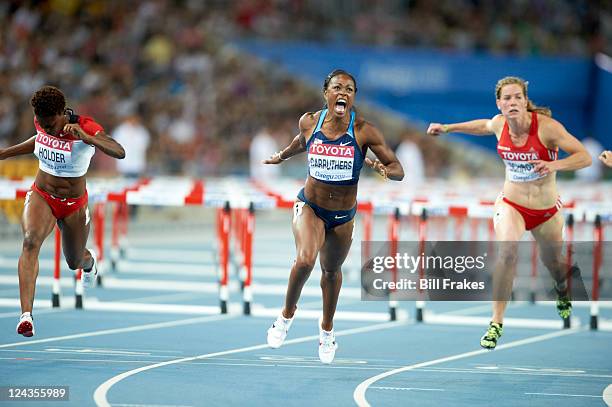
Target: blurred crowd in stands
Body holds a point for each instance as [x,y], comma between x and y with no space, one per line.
[163,69]
[523,27]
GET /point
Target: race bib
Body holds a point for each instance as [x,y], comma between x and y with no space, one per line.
[521,171]
[62,157]
[331,162]
[53,152]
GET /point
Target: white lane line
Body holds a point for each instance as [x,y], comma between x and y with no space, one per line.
[607,395]
[319,365]
[102,390]
[187,286]
[477,309]
[167,297]
[257,310]
[361,316]
[136,328]
[470,320]
[360,390]
[578,304]
[261,272]
[126,267]
[519,373]
[150,405]
[93,361]
[142,361]
[161,255]
[164,266]
[564,395]
[314,365]
[404,388]
[16,314]
[52,351]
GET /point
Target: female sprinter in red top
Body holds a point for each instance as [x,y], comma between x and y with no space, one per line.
[64,144]
[528,143]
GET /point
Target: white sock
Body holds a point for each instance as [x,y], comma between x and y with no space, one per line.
[26,314]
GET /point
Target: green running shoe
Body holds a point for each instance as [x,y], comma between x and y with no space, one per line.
[564,306]
[494,332]
[564,303]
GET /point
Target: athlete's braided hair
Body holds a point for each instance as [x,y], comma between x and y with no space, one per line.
[48,101]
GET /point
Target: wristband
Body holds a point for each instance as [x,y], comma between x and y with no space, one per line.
[445,128]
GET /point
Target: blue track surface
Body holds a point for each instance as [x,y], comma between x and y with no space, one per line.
[187,357]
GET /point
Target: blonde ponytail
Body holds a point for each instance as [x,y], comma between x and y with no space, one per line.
[531,107]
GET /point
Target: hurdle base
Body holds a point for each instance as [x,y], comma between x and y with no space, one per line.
[247,308]
[594,323]
[78,301]
[419,314]
[55,300]
[392,314]
[223,306]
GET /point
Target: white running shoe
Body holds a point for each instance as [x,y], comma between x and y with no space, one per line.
[278,331]
[327,345]
[25,326]
[88,278]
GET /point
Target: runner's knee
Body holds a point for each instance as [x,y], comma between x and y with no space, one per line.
[32,242]
[508,257]
[305,262]
[331,274]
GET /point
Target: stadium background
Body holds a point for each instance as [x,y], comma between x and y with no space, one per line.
[206,77]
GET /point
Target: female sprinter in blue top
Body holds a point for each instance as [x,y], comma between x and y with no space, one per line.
[336,140]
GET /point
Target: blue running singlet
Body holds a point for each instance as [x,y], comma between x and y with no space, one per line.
[336,162]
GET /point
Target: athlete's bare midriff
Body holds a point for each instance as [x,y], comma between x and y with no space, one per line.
[539,194]
[61,187]
[332,197]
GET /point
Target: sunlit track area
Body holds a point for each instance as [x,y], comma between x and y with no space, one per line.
[169,322]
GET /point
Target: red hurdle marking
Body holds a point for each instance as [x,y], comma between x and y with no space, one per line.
[56,289]
[249,229]
[394,228]
[597,262]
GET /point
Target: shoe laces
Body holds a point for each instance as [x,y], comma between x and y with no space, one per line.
[327,340]
[493,331]
[26,317]
[564,300]
[280,324]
